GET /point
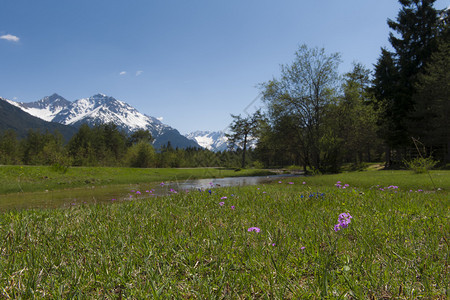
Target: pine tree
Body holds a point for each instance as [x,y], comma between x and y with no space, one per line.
[414,39]
[430,122]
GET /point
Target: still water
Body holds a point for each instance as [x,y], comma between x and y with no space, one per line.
[111,194]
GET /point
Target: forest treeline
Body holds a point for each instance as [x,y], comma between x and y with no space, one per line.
[399,111]
[105,145]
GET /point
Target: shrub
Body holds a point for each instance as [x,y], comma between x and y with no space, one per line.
[421,165]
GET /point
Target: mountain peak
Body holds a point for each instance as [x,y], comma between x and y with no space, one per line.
[102,109]
[101,95]
[53,99]
[211,140]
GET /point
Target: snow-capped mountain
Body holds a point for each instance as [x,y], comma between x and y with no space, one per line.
[46,108]
[101,109]
[211,140]
[104,109]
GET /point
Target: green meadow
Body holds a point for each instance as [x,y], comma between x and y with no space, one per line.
[17,179]
[273,241]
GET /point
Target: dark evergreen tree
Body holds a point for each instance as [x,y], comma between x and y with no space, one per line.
[9,148]
[414,38]
[430,121]
[140,135]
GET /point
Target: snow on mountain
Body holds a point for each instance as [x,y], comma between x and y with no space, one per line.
[46,108]
[101,109]
[211,140]
[104,109]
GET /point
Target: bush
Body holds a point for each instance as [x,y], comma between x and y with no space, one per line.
[421,165]
[258,165]
[141,155]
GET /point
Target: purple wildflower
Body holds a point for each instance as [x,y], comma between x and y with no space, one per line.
[232,207]
[343,220]
[253,229]
[221,203]
[224,197]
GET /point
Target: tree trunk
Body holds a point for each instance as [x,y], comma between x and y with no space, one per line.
[243,152]
[388,156]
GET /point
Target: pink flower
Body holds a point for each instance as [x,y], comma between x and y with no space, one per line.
[221,203]
[254,229]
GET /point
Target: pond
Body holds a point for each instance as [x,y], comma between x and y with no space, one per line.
[111,194]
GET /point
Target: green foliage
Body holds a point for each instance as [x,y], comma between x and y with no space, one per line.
[141,155]
[102,145]
[297,102]
[430,120]
[9,148]
[243,129]
[56,167]
[421,165]
[258,165]
[140,135]
[417,31]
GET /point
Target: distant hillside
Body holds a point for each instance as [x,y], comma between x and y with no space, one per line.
[12,117]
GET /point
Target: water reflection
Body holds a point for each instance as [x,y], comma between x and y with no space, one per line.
[111,194]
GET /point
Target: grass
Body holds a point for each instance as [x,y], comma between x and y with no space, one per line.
[189,246]
[16,179]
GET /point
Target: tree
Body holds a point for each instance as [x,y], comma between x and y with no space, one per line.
[104,144]
[9,148]
[140,135]
[430,121]
[141,155]
[413,39]
[385,86]
[299,98]
[356,117]
[242,130]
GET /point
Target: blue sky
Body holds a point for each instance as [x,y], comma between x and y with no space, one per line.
[193,63]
